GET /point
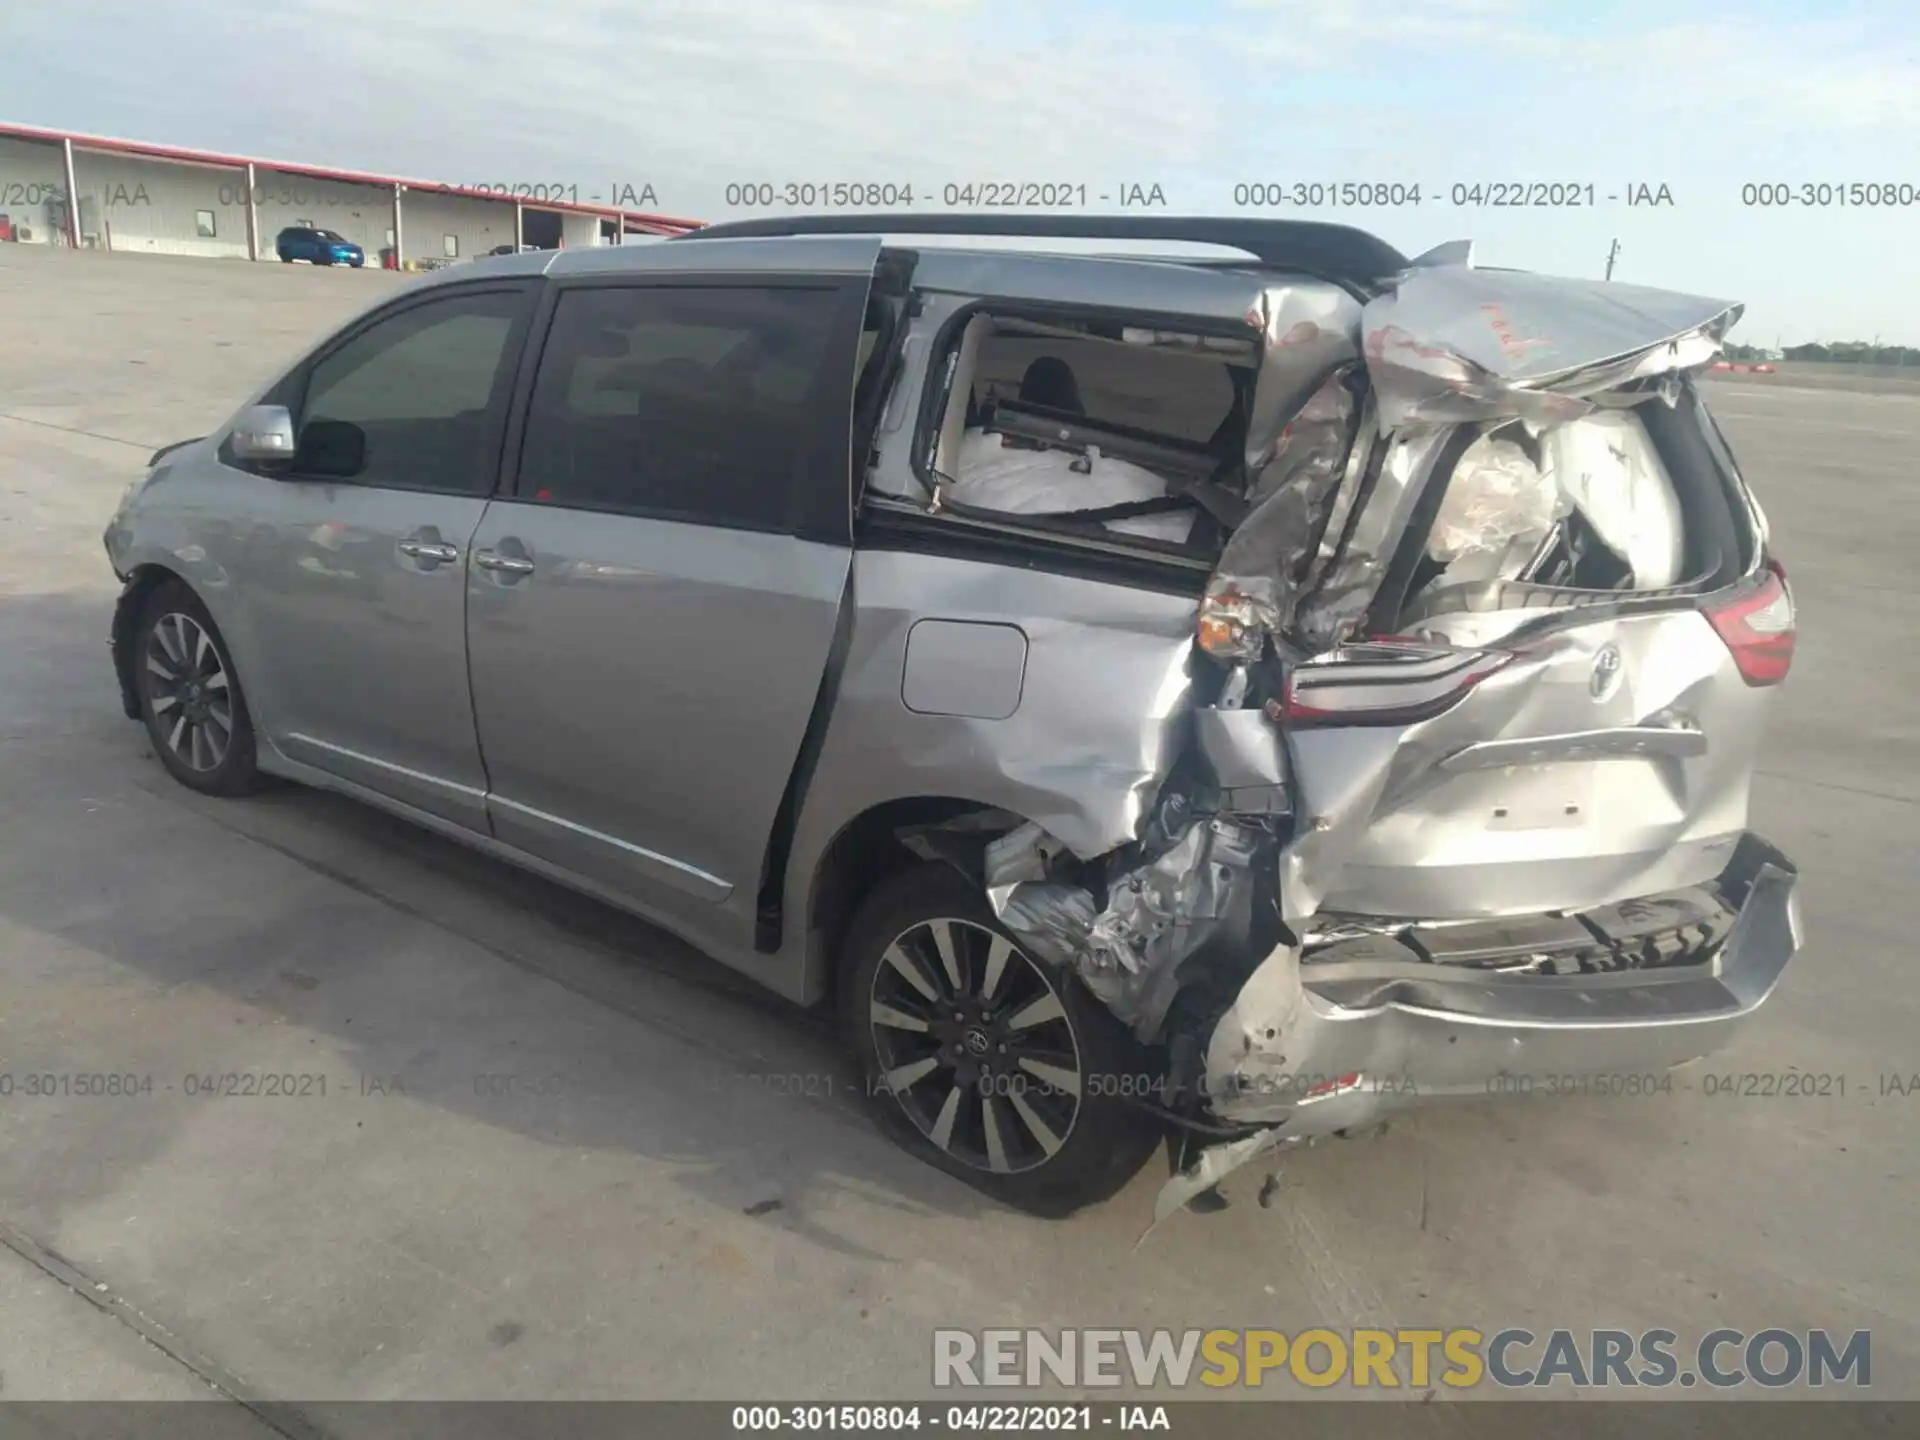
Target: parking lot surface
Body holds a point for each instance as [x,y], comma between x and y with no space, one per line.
[533,1148]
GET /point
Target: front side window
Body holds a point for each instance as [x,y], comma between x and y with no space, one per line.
[405,402]
[693,402]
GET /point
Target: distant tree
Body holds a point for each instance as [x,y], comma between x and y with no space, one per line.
[1840,352]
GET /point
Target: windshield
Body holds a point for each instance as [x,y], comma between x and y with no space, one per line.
[331,236]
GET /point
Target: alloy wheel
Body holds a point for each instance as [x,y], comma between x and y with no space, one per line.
[974,1044]
[187,685]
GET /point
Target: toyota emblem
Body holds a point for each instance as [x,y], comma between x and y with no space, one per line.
[1607,668]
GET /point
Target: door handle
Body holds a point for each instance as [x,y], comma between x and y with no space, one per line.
[433,550]
[505,564]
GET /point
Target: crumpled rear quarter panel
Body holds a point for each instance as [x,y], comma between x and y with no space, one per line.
[1101,714]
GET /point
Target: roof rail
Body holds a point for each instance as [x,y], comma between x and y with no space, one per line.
[1335,251]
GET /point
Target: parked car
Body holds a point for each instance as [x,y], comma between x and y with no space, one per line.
[321,247]
[1151,699]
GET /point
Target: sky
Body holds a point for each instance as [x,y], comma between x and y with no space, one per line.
[1197,97]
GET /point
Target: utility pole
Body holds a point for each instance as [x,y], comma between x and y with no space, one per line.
[1613,253]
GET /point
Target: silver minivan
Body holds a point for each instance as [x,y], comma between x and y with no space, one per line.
[1211,688]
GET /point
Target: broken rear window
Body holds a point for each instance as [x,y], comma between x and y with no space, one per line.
[1093,426]
[1627,500]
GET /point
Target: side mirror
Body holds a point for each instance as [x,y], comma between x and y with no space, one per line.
[264,436]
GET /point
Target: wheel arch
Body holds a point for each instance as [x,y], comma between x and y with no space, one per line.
[863,853]
[141,582]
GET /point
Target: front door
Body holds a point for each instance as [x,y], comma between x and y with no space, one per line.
[651,612]
[353,583]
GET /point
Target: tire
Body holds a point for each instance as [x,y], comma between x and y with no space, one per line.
[190,694]
[1047,1140]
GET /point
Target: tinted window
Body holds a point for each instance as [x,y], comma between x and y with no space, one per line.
[697,402]
[405,402]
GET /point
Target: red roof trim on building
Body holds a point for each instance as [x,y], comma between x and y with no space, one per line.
[631,220]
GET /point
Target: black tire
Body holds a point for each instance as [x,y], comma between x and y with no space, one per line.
[190,696]
[1099,1140]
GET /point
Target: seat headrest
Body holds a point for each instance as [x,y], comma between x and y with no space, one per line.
[1050,384]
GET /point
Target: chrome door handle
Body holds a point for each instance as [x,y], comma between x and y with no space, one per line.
[506,564]
[429,550]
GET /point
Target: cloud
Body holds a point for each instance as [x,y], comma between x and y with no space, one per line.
[804,90]
[693,94]
[1840,73]
[1805,76]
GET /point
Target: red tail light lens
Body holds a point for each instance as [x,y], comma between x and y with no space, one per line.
[1758,626]
[1382,682]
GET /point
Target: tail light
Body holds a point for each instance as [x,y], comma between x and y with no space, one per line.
[1382,682]
[1758,625]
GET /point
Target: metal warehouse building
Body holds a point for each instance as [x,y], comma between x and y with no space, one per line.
[162,199]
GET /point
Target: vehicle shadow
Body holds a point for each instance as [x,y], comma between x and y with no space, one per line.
[441,976]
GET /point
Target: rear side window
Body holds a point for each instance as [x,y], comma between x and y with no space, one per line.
[1173,395]
[689,402]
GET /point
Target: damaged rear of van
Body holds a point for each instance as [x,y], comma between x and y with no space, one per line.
[1518,644]
[1339,679]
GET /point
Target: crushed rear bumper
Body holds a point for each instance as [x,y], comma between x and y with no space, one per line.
[1311,1052]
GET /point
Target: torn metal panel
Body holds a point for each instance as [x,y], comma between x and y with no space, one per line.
[1024,853]
[1678,927]
[1050,919]
[1241,748]
[1309,455]
[1291,491]
[1307,331]
[1623,755]
[1320,1052]
[1214,1164]
[1159,914]
[1451,344]
[1347,494]
[1104,700]
[1158,911]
